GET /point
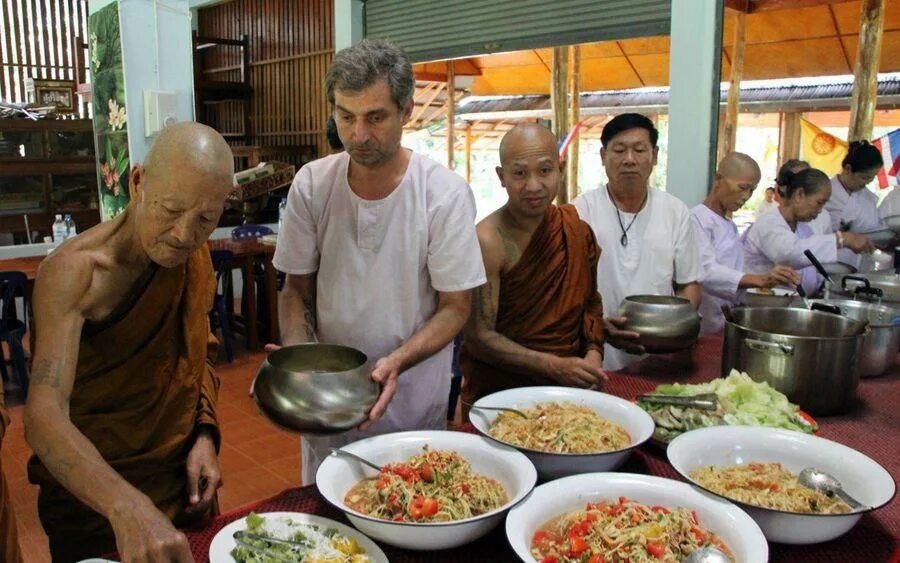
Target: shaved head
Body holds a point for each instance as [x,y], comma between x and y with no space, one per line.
[526,136]
[189,149]
[737,165]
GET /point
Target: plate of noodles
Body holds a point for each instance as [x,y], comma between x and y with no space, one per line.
[757,468]
[567,430]
[628,517]
[435,490]
[742,402]
[314,539]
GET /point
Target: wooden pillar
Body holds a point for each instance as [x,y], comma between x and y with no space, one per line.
[559,102]
[788,136]
[468,145]
[451,99]
[734,89]
[865,79]
[574,118]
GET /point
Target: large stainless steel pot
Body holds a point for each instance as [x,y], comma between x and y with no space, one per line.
[882,286]
[810,356]
[881,344]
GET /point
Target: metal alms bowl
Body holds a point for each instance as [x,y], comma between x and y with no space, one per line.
[666,323]
[315,388]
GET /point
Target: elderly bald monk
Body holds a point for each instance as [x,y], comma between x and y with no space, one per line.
[722,272]
[9,539]
[121,412]
[539,317]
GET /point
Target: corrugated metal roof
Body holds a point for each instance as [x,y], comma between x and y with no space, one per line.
[788,96]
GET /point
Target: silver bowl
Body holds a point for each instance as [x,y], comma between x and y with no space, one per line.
[880,237]
[780,298]
[665,323]
[315,388]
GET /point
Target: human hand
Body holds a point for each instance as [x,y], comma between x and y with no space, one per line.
[386,372]
[577,372]
[858,243]
[781,275]
[204,475]
[620,338]
[145,535]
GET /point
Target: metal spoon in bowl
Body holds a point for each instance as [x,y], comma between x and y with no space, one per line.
[514,411]
[826,483]
[345,453]
[708,554]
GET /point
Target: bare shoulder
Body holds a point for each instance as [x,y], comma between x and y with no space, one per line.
[492,241]
[65,276]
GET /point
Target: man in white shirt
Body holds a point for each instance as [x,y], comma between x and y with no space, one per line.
[645,234]
[380,250]
[722,272]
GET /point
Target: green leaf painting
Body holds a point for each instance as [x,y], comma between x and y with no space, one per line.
[110,114]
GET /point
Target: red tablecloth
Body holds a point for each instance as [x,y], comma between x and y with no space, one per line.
[872,427]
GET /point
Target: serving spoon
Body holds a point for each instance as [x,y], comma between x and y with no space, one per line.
[505,409]
[826,483]
[708,554]
[345,453]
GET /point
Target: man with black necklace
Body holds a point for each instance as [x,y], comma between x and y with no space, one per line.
[645,234]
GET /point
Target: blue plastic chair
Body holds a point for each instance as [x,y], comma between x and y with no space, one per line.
[250,231]
[12,330]
[455,378]
[218,315]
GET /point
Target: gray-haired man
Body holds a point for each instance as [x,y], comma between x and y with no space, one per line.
[380,250]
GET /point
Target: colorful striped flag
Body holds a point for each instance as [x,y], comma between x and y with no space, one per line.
[564,144]
[889,145]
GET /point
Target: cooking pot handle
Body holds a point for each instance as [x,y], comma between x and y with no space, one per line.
[769,347]
[864,281]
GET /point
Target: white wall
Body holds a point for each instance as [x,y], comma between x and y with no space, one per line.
[157,54]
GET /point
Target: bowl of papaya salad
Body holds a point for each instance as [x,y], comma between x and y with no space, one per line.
[436,489]
[617,517]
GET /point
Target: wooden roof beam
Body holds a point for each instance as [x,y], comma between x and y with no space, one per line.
[771,5]
[425,105]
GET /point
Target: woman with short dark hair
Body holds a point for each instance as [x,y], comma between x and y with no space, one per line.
[852,207]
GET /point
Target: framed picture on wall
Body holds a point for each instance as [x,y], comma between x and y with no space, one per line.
[59,93]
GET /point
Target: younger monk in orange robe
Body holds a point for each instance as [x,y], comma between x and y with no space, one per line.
[9,540]
[121,409]
[538,320]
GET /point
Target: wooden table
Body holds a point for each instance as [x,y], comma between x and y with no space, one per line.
[28,264]
[245,252]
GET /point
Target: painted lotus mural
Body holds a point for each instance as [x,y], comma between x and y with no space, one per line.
[110,112]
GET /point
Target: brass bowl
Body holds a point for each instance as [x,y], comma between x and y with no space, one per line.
[666,323]
[315,388]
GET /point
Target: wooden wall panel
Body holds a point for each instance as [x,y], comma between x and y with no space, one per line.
[291,46]
[38,40]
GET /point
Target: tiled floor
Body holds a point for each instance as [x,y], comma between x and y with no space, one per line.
[258,460]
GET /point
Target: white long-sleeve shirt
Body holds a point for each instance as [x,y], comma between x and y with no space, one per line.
[858,209]
[890,205]
[721,265]
[771,241]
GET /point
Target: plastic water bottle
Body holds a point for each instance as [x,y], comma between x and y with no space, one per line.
[281,207]
[60,231]
[71,230]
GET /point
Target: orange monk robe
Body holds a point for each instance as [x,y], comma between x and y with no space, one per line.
[548,303]
[9,540]
[143,386]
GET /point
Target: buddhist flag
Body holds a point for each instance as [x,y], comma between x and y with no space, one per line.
[889,145]
[820,149]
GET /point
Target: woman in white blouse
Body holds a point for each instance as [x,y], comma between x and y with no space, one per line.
[781,237]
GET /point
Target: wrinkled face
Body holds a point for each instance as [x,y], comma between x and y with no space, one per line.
[854,181]
[629,157]
[531,174]
[369,123]
[807,207]
[734,192]
[174,218]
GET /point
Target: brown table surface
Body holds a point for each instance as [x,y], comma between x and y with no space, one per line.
[872,427]
[27,264]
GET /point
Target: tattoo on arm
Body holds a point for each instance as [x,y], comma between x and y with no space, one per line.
[485,313]
[309,317]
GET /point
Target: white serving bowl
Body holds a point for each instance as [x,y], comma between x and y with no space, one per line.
[626,414]
[336,475]
[739,532]
[861,477]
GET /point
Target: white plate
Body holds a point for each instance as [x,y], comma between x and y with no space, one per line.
[223,543]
